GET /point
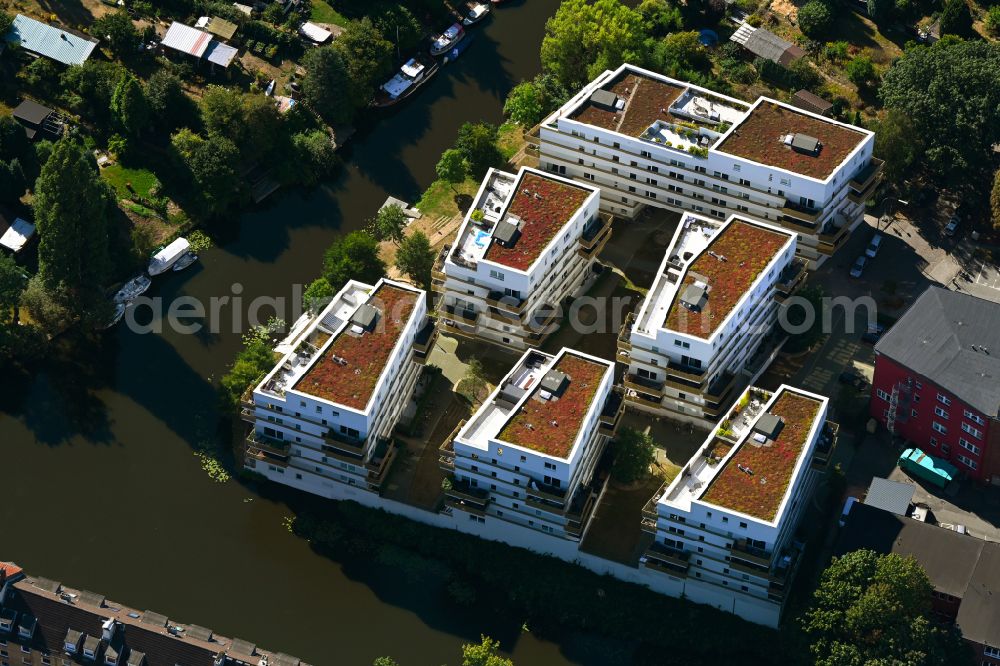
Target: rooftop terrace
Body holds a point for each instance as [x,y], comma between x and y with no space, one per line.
[755,477]
[542,206]
[759,137]
[550,425]
[349,368]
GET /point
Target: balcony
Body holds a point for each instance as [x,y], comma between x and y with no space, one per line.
[595,237]
[612,412]
[868,176]
[424,340]
[506,302]
[643,384]
[643,399]
[800,212]
[751,554]
[624,334]
[464,495]
[833,236]
[446,452]
[649,510]
[668,560]
[790,280]
[686,372]
[719,389]
[825,446]
[648,525]
[468,316]
[380,461]
[339,439]
[248,415]
[270,445]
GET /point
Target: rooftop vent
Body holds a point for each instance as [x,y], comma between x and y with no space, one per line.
[507,232]
[554,382]
[694,296]
[769,425]
[607,100]
[803,143]
[365,317]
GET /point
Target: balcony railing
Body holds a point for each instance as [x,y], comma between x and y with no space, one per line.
[465,315]
[268,444]
[751,554]
[800,212]
[690,373]
[506,302]
[868,175]
[595,233]
[674,562]
[425,338]
[625,333]
[643,384]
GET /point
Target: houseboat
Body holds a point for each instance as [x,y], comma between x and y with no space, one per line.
[413,74]
[446,40]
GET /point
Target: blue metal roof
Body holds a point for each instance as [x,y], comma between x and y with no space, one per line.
[45,40]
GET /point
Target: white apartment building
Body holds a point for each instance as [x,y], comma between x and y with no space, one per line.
[322,419]
[527,243]
[529,454]
[647,139]
[725,526]
[695,341]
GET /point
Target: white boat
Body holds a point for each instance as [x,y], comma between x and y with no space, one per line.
[475,12]
[185,261]
[413,74]
[168,256]
[132,289]
[115,317]
[447,39]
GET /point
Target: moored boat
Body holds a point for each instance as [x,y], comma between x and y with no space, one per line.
[116,316]
[475,12]
[413,74]
[185,261]
[459,48]
[446,40]
[132,289]
[168,256]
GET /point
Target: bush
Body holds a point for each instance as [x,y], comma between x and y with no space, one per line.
[861,71]
[993,20]
[815,19]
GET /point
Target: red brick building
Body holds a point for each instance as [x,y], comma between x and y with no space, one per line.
[937,380]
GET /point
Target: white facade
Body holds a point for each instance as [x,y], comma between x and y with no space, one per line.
[676,162]
[515,305]
[694,375]
[322,443]
[552,492]
[736,554]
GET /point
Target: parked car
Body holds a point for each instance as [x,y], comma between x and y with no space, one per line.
[859,266]
[873,245]
[952,226]
[851,378]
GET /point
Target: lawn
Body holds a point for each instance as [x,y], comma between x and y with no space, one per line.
[439,199]
[142,180]
[510,139]
[322,12]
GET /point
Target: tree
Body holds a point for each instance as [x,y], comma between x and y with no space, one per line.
[956,18]
[90,86]
[873,609]
[484,654]
[451,168]
[860,71]
[682,52]
[12,181]
[117,28]
[367,56]
[210,164]
[995,201]
[898,142]
[129,107]
[398,24]
[72,206]
[223,111]
[6,20]
[326,85]
[950,91]
[317,295]
[416,258]
[525,104]
[474,385]
[353,257]
[12,283]
[251,364]
[315,156]
[168,105]
[815,19]
[477,143]
[389,224]
[992,19]
[385,661]
[661,17]
[805,307]
[584,38]
[879,10]
[634,453]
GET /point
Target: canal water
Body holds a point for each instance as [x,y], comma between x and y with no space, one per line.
[101,488]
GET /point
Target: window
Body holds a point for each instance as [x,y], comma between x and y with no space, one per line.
[913,413]
[975,432]
[744,588]
[974,417]
[940,428]
[588,176]
[934,442]
[944,400]
[725,519]
[992,652]
[496,275]
[969,446]
[967,461]
[940,412]
[945,449]
[743,525]
[882,394]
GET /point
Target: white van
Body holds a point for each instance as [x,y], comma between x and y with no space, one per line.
[847,509]
[873,245]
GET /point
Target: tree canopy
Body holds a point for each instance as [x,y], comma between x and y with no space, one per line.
[451,168]
[816,19]
[634,453]
[956,18]
[416,258]
[585,38]
[72,207]
[995,201]
[389,224]
[873,609]
[951,92]
[354,256]
[326,85]
[129,107]
[119,31]
[367,56]
[12,284]
[661,17]
[898,142]
[484,653]
[477,143]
